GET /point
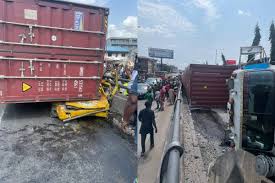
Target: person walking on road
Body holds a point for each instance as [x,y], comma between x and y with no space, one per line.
[162,98]
[157,99]
[171,94]
[167,88]
[148,123]
[149,96]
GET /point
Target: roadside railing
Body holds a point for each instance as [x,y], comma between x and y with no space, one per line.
[170,165]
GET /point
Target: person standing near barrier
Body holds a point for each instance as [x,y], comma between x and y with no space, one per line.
[148,123]
[167,88]
[131,103]
[162,98]
[171,94]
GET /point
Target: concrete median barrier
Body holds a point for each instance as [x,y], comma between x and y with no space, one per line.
[118,104]
[117,109]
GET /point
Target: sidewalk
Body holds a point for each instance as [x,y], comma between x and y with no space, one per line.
[149,165]
[192,164]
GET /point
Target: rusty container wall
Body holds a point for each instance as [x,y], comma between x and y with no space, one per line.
[205,85]
[55,48]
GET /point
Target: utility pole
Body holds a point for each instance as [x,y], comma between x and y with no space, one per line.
[216,56]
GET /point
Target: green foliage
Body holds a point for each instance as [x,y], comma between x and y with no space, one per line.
[257,37]
[223,59]
[256,41]
[272,41]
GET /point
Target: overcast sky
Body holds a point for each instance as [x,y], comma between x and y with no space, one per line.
[122,18]
[196,28]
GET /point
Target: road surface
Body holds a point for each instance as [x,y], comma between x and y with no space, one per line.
[37,148]
[149,165]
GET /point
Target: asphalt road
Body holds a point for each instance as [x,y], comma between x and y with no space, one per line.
[149,165]
[37,148]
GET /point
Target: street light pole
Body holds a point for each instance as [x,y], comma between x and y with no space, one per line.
[216,57]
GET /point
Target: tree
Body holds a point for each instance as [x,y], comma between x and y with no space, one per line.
[272,41]
[256,42]
[223,59]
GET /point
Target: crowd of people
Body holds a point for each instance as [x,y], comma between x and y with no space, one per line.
[160,92]
[124,70]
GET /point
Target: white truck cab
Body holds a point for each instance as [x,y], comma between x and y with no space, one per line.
[251,109]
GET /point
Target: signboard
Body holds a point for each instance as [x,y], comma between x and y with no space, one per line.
[231,62]
[251,50]
[161,53]
[78,21]
[26,87]
[30,14]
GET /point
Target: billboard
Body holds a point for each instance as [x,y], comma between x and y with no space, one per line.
[161,53]
[251,50]
[231,62]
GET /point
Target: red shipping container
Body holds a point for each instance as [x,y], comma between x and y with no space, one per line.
[50,50]
[205,85]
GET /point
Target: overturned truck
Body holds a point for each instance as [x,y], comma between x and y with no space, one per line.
[53,51]
[252,110]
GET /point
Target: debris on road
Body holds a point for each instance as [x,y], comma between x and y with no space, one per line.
[35,147]
[210,135]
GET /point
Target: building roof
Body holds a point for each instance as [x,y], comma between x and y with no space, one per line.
[122,38]
[147,58]
[117,49]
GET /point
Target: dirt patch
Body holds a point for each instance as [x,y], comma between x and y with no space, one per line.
[193,168]
[210,134]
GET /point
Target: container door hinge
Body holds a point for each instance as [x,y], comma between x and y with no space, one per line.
[31,67]
[31,34]
[23,37]
[22,69]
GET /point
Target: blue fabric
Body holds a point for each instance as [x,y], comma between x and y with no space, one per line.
[136,134]
[256,66]
[134,87]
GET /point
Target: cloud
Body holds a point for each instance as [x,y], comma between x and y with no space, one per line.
[209,7]
[244,13]
[90,2]
[128,28]
[159,29]
[162,19]
[130,23]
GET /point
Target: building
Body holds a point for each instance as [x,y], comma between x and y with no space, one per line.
[128,43]
[146,66]
[167,68]
[117,54]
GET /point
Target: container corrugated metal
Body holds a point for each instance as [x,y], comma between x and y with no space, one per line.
[205,85]
[50,50]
